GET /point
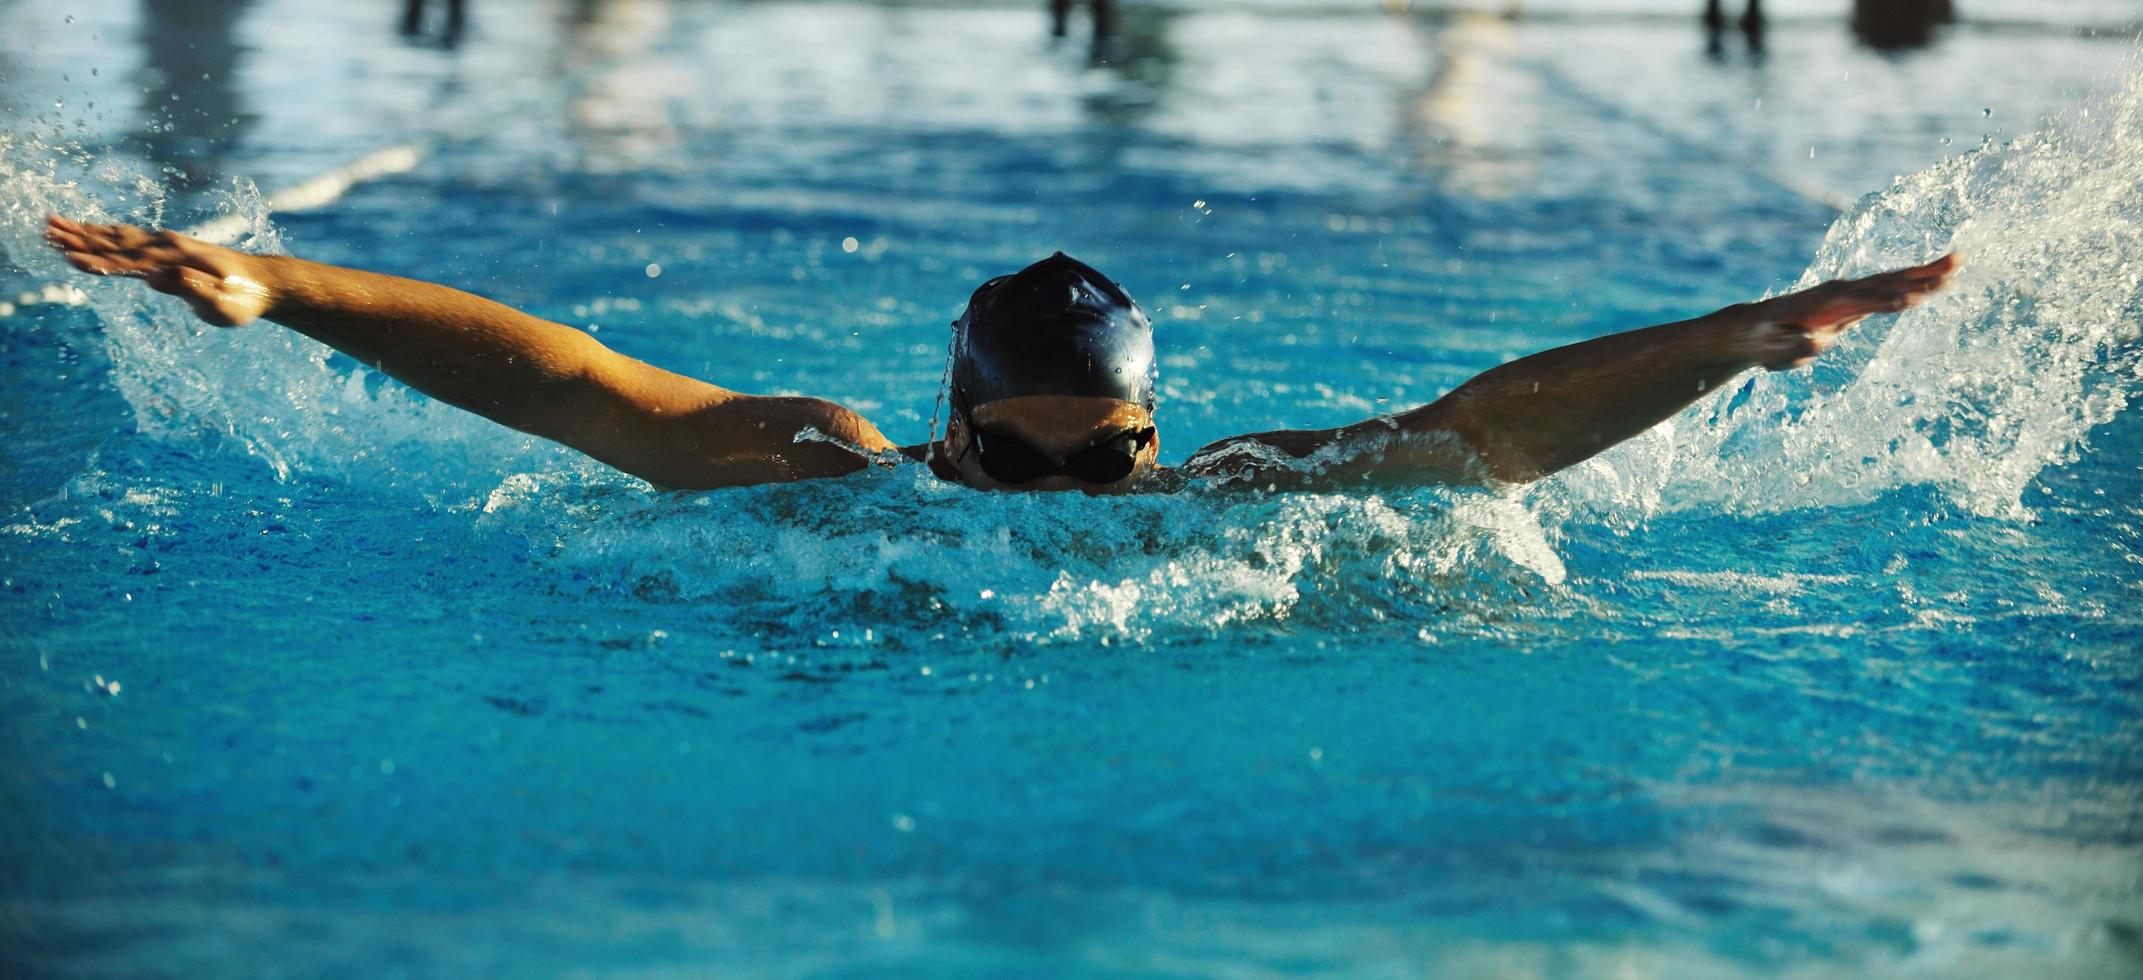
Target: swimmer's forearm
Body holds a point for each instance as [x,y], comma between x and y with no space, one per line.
[560,383]
[460,348]
[1522,420]
[1555,409]
[1558,408]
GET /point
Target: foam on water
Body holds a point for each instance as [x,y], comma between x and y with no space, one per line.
[902,547]
[269,392]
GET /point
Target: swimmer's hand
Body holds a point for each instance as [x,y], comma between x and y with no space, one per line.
[221,284]
[1790,331]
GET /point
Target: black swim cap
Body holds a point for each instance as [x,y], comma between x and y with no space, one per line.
[1056,327]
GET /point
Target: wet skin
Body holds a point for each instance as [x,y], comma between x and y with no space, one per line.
[1057,426]
[1513,423]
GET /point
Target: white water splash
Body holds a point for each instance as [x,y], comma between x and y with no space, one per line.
[1977,391]
[901,546]
[276,395]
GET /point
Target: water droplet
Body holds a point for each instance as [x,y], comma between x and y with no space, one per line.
[654,270]
[850,244]
[1987,112]
[70,18]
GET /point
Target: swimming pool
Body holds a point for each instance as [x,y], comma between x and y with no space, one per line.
[1837,675]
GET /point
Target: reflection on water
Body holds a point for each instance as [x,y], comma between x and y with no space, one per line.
[193,113]
[1751,23]
[1474,125]
[1103,17]
[1895,25]
[1140,53]
[445,29]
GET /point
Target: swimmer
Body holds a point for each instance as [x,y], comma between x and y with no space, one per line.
[1051,380]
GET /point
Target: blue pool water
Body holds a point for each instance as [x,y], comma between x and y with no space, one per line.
[1836,674]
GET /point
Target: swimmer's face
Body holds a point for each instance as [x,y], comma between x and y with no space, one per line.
[1080,435]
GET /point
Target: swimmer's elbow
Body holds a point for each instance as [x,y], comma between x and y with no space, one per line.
[747,441]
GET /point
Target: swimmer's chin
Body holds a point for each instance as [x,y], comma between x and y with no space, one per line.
[1065,484]
[1154,480]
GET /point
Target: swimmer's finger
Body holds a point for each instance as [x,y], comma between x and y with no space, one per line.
[93,264]
[55,223]
[66,240]
[1947,264]
[1884,297]
[1931,275]
[1934,269]
[97,237]
[127,236]
[110,237]
[1917,280]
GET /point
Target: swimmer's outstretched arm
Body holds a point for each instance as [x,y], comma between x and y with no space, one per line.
[1557,408]
[534,375]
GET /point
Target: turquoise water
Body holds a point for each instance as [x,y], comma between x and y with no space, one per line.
[1836,674]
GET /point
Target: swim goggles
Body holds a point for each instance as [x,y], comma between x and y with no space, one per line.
[1010,460]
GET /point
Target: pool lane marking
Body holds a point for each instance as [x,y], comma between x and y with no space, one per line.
[317,192]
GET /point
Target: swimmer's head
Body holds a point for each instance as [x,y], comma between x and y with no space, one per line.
[1056,327]
[1052,382]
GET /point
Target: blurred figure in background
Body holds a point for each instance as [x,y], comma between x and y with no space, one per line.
[1894,25]
[449,31]
[1104,12]
[1141,58]
[192,116]
[1752,25]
